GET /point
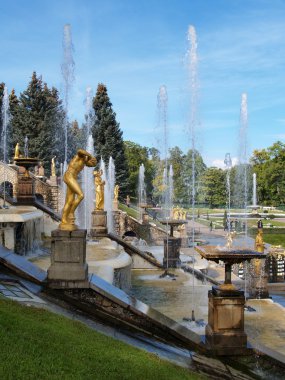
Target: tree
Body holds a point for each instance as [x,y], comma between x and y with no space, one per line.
[199,168]
[137,155]
[39,115]
[269,166]
[108,137]
[177,160]
[214,187]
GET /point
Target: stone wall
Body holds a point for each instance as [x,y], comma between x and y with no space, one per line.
[148,232]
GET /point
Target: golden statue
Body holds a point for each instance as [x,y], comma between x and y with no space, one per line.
[116,193]
[229,243]
[259,243]
[53,172]
[175,213]
[17,151]
[99,189]
[74,194]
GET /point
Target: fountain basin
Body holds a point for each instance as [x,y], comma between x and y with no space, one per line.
[26,162]
[229,256]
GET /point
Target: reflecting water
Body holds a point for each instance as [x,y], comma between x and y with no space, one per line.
[171,296]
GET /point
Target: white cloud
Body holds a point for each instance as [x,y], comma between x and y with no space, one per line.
[218,163]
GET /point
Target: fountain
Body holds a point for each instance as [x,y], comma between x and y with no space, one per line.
[142,204]
[26,192]
[109,194]
[67,70]
[87,176]
[228,163]
[5,123]
[225,330]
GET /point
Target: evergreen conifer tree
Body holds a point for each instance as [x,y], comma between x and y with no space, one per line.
[108,137]
[39,115]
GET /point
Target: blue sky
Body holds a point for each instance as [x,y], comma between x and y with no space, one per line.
[134,47]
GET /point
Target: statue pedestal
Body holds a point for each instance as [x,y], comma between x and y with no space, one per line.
[115,205]
[145,218]
[99,223]
[26,193]
[225,330]
[171,257]
[68,260]
[53,180]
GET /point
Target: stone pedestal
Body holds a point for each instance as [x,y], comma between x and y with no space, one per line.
[26,192]
[68,260]
[145,218]
[225,330]
[53,180]
[115,205]
[171,257]
[99,223]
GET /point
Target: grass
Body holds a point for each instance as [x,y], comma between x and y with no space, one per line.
[37,344]
[130,211]
[274,239]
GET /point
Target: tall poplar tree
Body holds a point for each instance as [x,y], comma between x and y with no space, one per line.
[108,137]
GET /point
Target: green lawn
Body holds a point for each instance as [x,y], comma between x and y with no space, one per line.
[130,211]
[274,239]
[37,344]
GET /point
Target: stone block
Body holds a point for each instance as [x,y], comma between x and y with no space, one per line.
[171,257]
[99,223]
[68,259]
[225,329]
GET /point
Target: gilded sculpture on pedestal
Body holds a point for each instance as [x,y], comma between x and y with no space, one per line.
[99,189]
[53,170]
[17,151]
[259,243]
[74,194]
[116,193]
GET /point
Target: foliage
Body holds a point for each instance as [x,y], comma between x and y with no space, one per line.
[269,166]
[108,137]
[76,139]
[38,344]
[137,155]
[213,187]
[182,175]
[241,185]
[39,115]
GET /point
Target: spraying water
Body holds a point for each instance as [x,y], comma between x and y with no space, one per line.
[26,147]
[109,177]
[162,106]
[67,70]
[141,189]
[243,154]
[242,169]
[167,183]
[254,197]
[110,185]
[5,123]
[88,187]
[192,65]
[228,163]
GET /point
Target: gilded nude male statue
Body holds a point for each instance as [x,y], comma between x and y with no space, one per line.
[74,194]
